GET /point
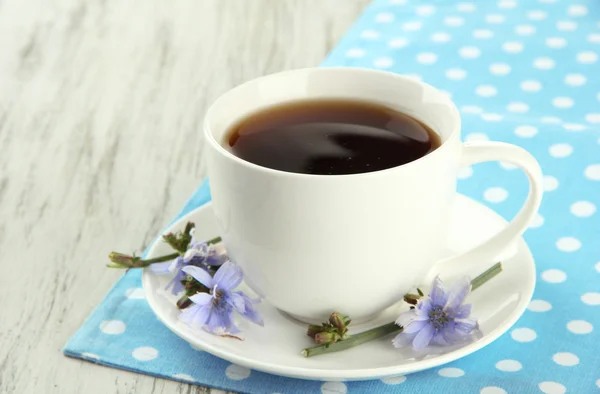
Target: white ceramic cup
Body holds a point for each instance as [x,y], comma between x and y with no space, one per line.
[314,244]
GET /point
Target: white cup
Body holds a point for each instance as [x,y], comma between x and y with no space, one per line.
[314,244]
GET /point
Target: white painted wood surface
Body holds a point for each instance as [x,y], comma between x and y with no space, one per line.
[101,103]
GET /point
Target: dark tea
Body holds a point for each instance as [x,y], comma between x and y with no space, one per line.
[330,137]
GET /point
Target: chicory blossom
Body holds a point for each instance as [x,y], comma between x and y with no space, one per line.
[213,311]
[198,254]
[439,319]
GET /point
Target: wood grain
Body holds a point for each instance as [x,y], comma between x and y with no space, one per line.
[101,103]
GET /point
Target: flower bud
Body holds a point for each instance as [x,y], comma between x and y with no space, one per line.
[326,338]
[412,299]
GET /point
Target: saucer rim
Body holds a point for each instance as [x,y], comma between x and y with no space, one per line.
[346,374]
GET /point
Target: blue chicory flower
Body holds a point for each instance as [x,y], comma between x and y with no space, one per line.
[198,254]
[213,311]
[439,318]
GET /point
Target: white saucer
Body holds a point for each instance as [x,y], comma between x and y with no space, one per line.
[275,348]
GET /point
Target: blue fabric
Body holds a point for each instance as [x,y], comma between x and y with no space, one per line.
[523,72]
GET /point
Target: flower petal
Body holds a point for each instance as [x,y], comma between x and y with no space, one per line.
[463,311]
[195,315]
[423,308]
[250,311]
[236,301]
[457,294]
[175,285]
[423,338]
[465,326]
[221,321]
[200,275]
[438,293]
[403,340]
[438,339]
[202,299]
[160,268]
[416,326]
[229,276]
[406,318]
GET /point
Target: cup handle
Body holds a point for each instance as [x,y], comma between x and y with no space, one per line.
[484,254]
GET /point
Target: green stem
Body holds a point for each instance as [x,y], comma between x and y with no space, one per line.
[389,328]
[122,261]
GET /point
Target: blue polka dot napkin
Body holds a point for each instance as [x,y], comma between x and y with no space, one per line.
[525,72]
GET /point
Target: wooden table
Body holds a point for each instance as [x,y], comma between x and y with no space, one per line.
[101,104]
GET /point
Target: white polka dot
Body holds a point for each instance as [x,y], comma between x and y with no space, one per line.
[144,353]
[453,21]
[592,172]
[508,166]
[512,47]
[370,34]
[560,150]
[575,80]
[469,52]
[384,17]
[509,365]
[184,376]
[587,57]
[237,372]
[550,183]
[471,109]
[591,298]
[334,388]
[554,276]
[565,359]
[577,10]
[568,244]
[451,372]
[563,102]
[531,86]
[399,42]
[483,33]
[494,18]
[594,38]
[466,7]
[593,118]
[583,208]
[537,15]
[523,334]
[412,26]
[552,388]
[499,68]
[597,266]
[495,194]
[425,10]
[486,91]
[355,52]
[539,306]
[525,30]
[90,356]
[556,42]
[383,62]
[441,37]
[507,4]
[465,172]
[491,117]
[598,383]
[526,131]
[550,120]
[476,137]
[517,107]
[427,58]
[456,74]
[112,327]
[135,293]
[537,221]
[492,390]
[566,25]
[580,327]
[393,380]
[574,127]
[543,63]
